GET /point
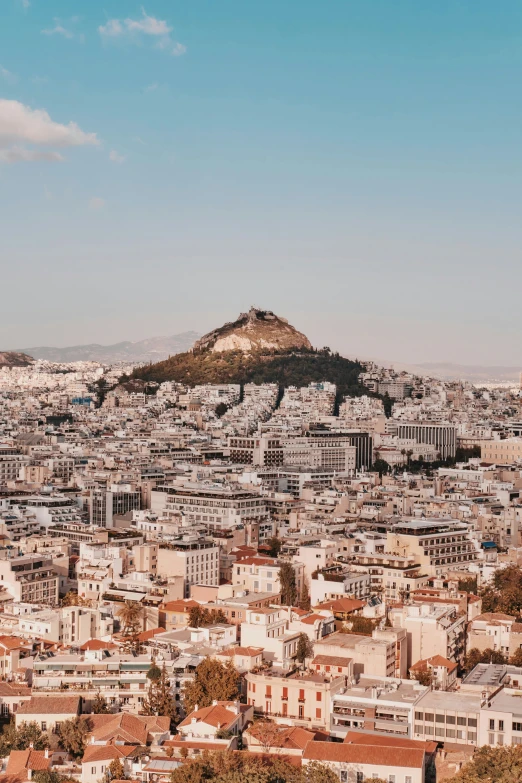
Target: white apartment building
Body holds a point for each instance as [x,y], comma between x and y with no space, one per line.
[219,507]
[268,629]
[30,578]
[330,586]
[194,560]
[70,624]
[432,629]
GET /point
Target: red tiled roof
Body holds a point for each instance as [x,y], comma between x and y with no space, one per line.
[106,752]
[364,754]
[330,660]
[22,760]
[357,738]
[215,715]
[97,644]
[50,705]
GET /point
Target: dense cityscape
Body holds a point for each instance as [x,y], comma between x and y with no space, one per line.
[328,581]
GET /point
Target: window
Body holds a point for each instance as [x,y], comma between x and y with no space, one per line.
[439,719]
[491,739]
[450,719]
[344,776]
[419,715]
[461,721]
[428,716]
[44,725]
[360,777]
[472,722]
[491,725]
[318,713]
[517,726]
[391,778]
[407,779]
[93,770]
[318,696]
[501,725]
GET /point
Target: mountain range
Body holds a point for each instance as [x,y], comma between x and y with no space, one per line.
[154,349]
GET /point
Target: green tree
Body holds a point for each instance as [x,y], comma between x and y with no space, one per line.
[99,705]
[492,765]
[116,770]
[20,738]
[239,767]
[73,734]
[423,677]
[159,699]
[200,617]
[275,545]
[359,624]
[304,598]
[381,467]
[516,658]
[305,648]
[475,656]
[212,680]
[468,585]
[221,409]
[288,584]
[48,776]
[154,672]
[131,614]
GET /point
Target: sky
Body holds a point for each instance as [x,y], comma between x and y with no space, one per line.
[353,165]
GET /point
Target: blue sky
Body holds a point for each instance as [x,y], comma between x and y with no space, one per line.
[353,165]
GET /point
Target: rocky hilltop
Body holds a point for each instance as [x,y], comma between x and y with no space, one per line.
[14,359]
[253,331]
[259,347]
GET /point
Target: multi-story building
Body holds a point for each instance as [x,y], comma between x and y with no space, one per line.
[30,578]
[196,560]
[301,699]
[441,435]
[434,544]
[106,504]
[432,629]
[218,507]
[260,450]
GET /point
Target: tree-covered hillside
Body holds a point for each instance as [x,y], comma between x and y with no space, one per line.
[294,368]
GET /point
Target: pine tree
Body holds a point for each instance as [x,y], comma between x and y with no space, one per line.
[99,705]
[304,599]
[288,586]
[212,681]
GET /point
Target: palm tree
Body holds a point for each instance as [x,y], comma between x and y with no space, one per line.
[131,614]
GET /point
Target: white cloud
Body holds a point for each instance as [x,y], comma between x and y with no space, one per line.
[134,29]
[58,29]
[22,154]
[66,32]
[24,4]
[96,203]
[152,87]
[112,29]
[20,125]
[178,49]
[148,25]
[8,76]
[34,126]
[115,157]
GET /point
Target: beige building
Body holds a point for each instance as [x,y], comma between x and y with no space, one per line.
[501,452]
[432,629]
[197,562]
[299,700]
[383,654]
[146,558]
[436,545]
[48,712]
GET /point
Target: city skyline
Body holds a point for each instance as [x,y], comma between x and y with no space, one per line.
[164,167]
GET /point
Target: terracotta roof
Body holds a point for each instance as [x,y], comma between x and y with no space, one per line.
[342,605]
[126,728]
[106,752]
[357,738]
[215,715]
[488,616]
[193,744]
[146,635]
[331,660]
[12,642]
[180,605]
[97,644]
[242,651]
[290,737]
[311,619]
[50,705]
[21,760]
[364,754]
[435,660]
[6,689]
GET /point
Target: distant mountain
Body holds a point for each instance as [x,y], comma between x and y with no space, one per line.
[259,347]
[14,359]
[152,350]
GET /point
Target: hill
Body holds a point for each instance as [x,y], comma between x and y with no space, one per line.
[253,331]
[286,368]
[14,359]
